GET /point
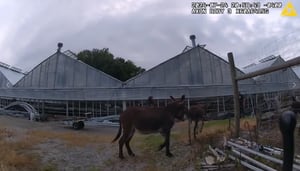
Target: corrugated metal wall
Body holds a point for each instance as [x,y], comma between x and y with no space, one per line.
[195,73]
[195,67]
[62,71]
[281,76]
[4,82]
[10,73]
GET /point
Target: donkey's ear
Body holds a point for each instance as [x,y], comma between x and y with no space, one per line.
[150,98]
[172,98]
[182,97]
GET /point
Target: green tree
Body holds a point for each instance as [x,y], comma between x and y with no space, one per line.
[105,61]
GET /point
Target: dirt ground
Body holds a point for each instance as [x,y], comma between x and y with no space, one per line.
[54,150]
[54,146]
[27,145]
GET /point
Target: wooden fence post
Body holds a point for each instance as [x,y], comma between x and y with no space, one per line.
[235,95]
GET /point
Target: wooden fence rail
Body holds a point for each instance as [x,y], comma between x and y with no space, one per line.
[235,79]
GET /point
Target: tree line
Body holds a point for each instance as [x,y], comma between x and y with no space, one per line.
[105,61]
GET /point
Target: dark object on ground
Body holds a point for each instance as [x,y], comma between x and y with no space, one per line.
[78,125]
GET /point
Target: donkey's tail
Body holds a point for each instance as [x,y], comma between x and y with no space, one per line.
[119,133]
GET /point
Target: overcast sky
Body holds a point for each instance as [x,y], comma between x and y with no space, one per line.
[147,32]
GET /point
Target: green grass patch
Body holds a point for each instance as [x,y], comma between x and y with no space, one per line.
[216,123]
[49,167]
[152,142]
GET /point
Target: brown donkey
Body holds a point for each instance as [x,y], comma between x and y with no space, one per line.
[149,120]
[196,113]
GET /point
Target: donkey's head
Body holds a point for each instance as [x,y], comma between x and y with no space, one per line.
[177,107]
[150,101]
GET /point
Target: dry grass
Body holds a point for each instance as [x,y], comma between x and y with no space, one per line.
[12,152]
[213,130]
[186,157]
[5,133]
[251,121]
[17,155]
[71,139]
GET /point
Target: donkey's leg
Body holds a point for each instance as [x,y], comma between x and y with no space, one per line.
[195,129]
[121,143]
[161,146]
[189,131]
[123,139]
[202,124]
[127,143]
[167,143]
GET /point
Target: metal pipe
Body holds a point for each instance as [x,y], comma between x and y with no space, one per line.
[249,166]
[289,63]
[193,37]
[67,108]
[259,164]
[73,110]
[275,160]
[59,45]
[223,101]
[123,105]
[272,150]
[86,107]
[78,108]
[100,109]
[115,107]
[218,105]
